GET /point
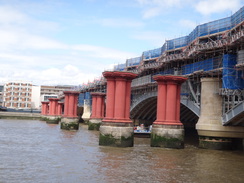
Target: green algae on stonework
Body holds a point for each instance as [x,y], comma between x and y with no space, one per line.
[53,121]
[94,126]
[160,141]
[70,126]
[215,143]
[109,140]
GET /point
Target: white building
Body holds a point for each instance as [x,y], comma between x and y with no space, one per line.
[17,95]
[24,95]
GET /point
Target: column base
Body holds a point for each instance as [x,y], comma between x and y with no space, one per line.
[53,119]
[43,117]
[116,134]
[94,124]
[167,136]
[215,143]
[69,124]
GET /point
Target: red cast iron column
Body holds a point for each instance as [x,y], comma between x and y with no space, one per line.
[99,107]
[120,95]
[168,109]
[110,95]
[45,108]
[171,101]
[161,100]
[60,107]
[70,105]
[127,99]
[53,103]
[66,103]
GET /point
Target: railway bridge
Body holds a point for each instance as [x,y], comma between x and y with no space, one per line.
[192,82]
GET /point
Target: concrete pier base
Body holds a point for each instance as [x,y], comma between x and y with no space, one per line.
[69,123]
[215,143]
[94,124]
[52,119]
[167,136]
[116,134]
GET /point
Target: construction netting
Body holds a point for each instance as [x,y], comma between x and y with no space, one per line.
[119,67]
[152,53]
[176,43]
[133,61]
[232,78]
[81,99]
[237,17]
[205,65]
[240,57]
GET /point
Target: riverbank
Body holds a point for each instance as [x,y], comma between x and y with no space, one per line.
[20,115]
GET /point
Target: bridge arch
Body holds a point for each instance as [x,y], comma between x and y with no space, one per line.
[144,110]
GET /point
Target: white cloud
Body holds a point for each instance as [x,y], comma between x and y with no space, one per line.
[152,8]
[207,7]
[9,15]
[102,52]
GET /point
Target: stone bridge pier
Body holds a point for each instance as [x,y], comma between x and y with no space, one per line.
[117,128]
[98,103]
[167,130]
[212,133]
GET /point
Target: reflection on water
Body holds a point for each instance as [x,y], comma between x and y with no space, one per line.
[33,151]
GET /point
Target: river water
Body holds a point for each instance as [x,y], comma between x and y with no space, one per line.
[36,152]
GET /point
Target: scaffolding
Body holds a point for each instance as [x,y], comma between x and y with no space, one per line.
[213,49]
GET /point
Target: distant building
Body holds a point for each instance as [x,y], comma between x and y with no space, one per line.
[53,91]
[24,95]
[17,95]
[1,95]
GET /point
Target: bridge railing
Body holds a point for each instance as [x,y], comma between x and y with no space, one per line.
[142,81]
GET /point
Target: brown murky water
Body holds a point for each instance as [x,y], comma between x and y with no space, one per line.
[33,151]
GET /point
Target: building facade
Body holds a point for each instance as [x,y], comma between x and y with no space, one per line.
[53,91]
[1,95]
[25,95]
[17,95]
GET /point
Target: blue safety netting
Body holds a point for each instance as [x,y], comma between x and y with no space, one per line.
[176,43]
[232,78]
[152,53]
[217,25]
[201,30]
[133,61]
[205,65]
[81,99]
[119,67]
[87,95]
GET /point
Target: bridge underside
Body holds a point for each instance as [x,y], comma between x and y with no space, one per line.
[234,117]
[146,112]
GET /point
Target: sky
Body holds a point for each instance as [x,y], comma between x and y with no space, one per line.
[71,42]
